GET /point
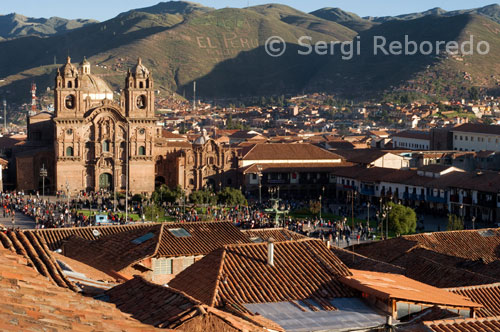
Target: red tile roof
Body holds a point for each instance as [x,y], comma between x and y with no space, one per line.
[288,151]
[240,274]
[54,237]
[30,302]
[487,295]
[468,244]
[115,252]
[37,253]
[360,262]
[165,307]
[277,234]
[388,286]
[465,325]
[478,128]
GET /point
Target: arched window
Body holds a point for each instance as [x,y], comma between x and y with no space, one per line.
[70,102]
[69,151]
[142,151]
[70,84]
[141,102]
[141,85]
[105,146]
[191,182]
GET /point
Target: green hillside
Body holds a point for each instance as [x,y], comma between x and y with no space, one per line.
[447,75]
[223,50]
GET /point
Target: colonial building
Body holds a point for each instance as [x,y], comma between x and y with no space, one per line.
[93,135]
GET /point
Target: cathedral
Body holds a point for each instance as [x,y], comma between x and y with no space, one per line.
[85,144]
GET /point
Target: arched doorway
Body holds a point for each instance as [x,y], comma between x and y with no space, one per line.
[106,181]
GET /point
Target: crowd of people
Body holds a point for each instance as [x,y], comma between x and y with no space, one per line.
[61,212]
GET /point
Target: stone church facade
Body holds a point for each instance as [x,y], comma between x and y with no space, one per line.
[85,143]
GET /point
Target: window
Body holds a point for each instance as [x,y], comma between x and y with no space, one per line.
[70,102]
[142,151]
[70,84]
[69,132]
[69,151]
[143,238]
[141,102]
[179,232]
[105,146]
[162,266]
[461,138]
[142,131]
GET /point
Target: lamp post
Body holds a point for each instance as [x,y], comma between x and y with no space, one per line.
[368,214]
[43,174]
[259,174]
[67,195]
[473,222]
[320,206]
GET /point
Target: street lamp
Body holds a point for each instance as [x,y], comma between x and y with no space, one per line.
[4,114]
[473,222]
[368,214]
[259,174]
[320,206]
[67,194]
[43,174]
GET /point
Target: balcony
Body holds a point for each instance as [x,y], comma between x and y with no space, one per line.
[368,191]
[436,199]
[413,197]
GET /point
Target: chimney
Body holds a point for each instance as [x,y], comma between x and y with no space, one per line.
[270,252]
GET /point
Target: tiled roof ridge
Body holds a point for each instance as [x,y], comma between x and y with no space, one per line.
[51,230]
[250,150]
[495,284]
[157,247]
[171,289]
[449,232]
[219,277]
[237,245]
[327,265]
[460,320]
[37,256]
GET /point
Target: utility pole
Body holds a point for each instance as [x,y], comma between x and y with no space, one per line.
[259,174]
[43,174]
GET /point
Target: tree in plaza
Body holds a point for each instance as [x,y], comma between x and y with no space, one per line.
[231,197]
[455,223]
[402,219]
[204,196]
[164,194]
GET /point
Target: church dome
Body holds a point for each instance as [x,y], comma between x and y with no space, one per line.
[95,87]
[140,70]
[203,139]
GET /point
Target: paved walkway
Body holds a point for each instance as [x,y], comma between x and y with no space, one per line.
[22,221]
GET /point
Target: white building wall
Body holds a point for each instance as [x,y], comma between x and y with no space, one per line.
[475,141]
[410,143]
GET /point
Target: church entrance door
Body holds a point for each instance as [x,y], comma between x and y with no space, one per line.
[106,181]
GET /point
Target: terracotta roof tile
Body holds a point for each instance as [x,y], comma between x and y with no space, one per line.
[117,251]
[465,325]
[277,234]
[241,274]
[360,262]
[288,151]
[487,295]
[165,307]
[387,286]
[29,302]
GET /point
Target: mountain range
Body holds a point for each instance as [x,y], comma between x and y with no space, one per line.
[223,50]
